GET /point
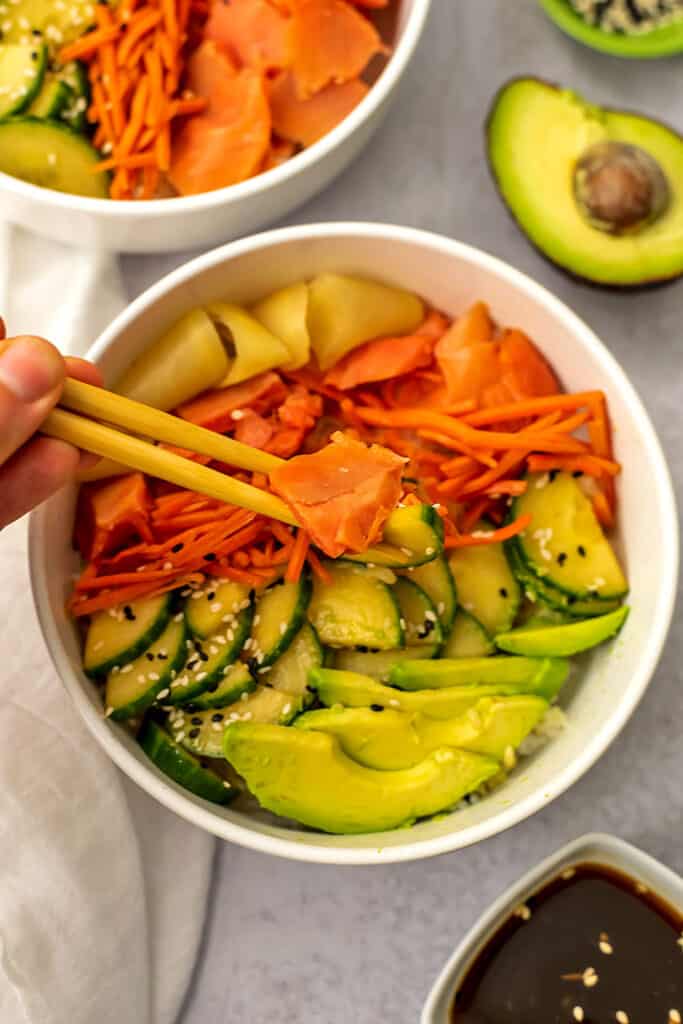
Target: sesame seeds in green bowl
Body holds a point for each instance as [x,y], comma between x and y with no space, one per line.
[638,29]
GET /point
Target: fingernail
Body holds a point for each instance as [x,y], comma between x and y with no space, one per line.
[30,368]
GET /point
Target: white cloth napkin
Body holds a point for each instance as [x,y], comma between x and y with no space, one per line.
[102,891]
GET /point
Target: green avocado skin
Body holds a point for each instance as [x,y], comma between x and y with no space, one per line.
[535,134]
[306,776]
[391,740]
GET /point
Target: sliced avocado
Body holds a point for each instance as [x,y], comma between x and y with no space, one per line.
[351,690]
[541,640]
[417,675]
[306,776]
[395,739]
[599,191]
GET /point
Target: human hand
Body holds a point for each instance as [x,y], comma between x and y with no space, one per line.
[32,373]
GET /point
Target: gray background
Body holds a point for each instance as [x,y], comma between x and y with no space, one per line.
[303,944]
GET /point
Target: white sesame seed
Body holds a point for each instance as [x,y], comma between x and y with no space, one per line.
[257,619]
[283,628]
[429,551]
[163,693]
[180,735]
[237,414]
[621,1016]
[196,595]
[590,977]
[244,696]
[98,646]
[394,703]
[127,668]
[217,726]
[577,1013]
[674,1017]
[108,712]
[213,649]
[216,607]
[287,708]
[141,678]
[523,911]
[441,607]
[201,676]
[179,617]
[167,566]
[154,676]
[568,873]
[605,947]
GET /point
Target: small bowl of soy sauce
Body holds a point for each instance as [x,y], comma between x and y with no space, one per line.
[592,935]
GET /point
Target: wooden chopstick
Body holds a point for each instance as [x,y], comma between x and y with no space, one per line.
[100,404]
[140,455]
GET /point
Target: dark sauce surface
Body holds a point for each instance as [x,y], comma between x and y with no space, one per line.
[536,969]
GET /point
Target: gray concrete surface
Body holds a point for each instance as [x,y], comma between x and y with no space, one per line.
[321,945]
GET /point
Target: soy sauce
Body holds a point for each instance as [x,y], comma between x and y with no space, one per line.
[592,946]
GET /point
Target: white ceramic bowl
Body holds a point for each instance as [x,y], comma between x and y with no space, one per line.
[451,275]
[605,850]
[164,225]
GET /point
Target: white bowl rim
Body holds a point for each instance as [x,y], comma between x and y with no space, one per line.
[594,847]
[177,205]
[297,848]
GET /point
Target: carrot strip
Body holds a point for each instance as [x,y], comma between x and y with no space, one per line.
[591,465]
[318,568]
[531,407]
[474,513]
[141,23]
[134,161]
[458,446]
[603,510]
[88,44]
[493,537]
[298,557]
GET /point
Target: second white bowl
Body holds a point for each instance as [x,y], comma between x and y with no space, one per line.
[607,684]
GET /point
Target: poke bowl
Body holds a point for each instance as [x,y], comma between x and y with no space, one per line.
[326,707]
[63,153]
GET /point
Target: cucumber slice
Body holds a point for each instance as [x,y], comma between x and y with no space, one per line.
[418,615]
[218,604]
[423,675]
[279,615]
[209,662]
[468,638]
[562,641]
[289,674]
[58,24]
[485,585]
[378,664]
[235,682]
[133,688]
[202,732]
[436,579]
[74,113]
[181,766]
[22,68]
[564,544]
[355,610]
[537,589]
[51,155]
[412,536]
[351,690]
[52,98]
[117,636]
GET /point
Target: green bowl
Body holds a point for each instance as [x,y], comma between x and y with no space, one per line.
[658,42]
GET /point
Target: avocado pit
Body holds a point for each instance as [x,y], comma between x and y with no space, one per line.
[620,188]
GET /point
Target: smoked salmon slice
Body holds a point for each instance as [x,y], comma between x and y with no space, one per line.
[112,514]
[304,121]
[381,359]
[254,32]
[330,41]
[343,494]
[228,142]
[214,409]
[491,369]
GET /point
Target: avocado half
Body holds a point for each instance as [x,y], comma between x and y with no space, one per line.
[598,191]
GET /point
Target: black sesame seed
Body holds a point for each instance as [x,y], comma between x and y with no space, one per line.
[210,556]
[561,558]
[177,547]
[192,664]
[34,55]
[577,473]
[552,474]
[162,657]
[129,613]
[196,720]
[571,599]
[377,707]
[362,649]
[218,717]
[149,656]
[211,595]
[203,656]
[425,629]
[193,734]
[582,551]
[212,688]
[503,592]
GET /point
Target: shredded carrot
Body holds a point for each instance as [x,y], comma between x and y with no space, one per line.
[493,537]
[298,557]
[603,510]
[318,568]
[531,407]
[89,44]
[134,162]
[591,465]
